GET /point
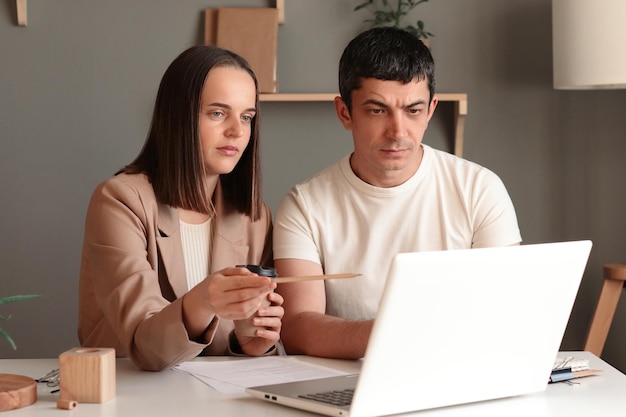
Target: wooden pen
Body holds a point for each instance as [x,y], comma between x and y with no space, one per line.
[282,280]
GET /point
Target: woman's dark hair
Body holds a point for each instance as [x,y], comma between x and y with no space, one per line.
[171,156]
[384,53]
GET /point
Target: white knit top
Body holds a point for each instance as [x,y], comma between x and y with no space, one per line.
[196,240]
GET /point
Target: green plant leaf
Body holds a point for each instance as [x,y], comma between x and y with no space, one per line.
[363,5]
[8,339]
[389,13]
[15,298]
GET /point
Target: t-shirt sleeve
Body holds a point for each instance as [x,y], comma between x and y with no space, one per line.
[495,221]
[294,230]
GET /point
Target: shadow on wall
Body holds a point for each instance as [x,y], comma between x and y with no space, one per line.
[10,11]
[525,44]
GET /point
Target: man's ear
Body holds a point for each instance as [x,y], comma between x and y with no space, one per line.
[432,107]
[343,113]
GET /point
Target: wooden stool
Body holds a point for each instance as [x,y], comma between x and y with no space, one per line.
[614,281]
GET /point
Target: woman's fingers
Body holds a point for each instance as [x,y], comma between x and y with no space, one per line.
[238,297]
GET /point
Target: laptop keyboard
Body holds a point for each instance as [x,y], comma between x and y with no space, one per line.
[339,398]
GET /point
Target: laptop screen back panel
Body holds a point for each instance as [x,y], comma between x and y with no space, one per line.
[468,325]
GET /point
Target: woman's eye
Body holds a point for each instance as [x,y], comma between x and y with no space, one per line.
[247,118]
[217,113]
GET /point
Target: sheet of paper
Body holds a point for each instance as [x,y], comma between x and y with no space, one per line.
[571,362]
[234,375]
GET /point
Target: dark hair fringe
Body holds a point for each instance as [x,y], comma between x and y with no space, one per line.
[384,53]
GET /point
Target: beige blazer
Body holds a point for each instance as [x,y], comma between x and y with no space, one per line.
[132,274]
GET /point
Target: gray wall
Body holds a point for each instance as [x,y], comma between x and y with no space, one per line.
[77,87]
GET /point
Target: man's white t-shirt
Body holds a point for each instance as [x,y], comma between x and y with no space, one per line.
[346,225]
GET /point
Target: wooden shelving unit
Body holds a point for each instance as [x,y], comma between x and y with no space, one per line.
[459,100]
[280,5]
[21,7]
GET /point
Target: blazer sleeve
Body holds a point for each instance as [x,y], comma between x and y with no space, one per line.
[121,271]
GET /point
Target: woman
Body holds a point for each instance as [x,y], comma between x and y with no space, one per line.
[158,280]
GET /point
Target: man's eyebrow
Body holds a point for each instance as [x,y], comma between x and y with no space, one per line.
[417,103]
[384,105]
[375,102]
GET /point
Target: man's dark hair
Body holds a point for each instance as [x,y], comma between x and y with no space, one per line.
[384,53]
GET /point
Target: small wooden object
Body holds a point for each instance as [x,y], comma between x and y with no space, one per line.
[16,391]
[87,375]
[67,404]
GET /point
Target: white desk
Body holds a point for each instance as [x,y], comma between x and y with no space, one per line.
[173,393]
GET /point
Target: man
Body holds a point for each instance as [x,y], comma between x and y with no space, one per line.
[391,194]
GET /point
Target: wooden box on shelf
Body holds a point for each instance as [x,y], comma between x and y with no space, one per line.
[250,32]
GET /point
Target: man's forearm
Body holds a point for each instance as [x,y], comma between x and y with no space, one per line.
[317,334]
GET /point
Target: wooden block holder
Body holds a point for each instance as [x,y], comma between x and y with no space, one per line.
[16,391]
[87,375]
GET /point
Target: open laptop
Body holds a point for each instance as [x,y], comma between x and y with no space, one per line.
[457,327]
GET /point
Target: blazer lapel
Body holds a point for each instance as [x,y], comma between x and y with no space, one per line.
[229,246]
[170,248]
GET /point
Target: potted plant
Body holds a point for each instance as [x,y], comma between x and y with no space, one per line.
[12,299]
[392,13]
[16,391]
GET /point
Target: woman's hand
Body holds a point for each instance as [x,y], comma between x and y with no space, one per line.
[237,293]
[261,331]
[232,293]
